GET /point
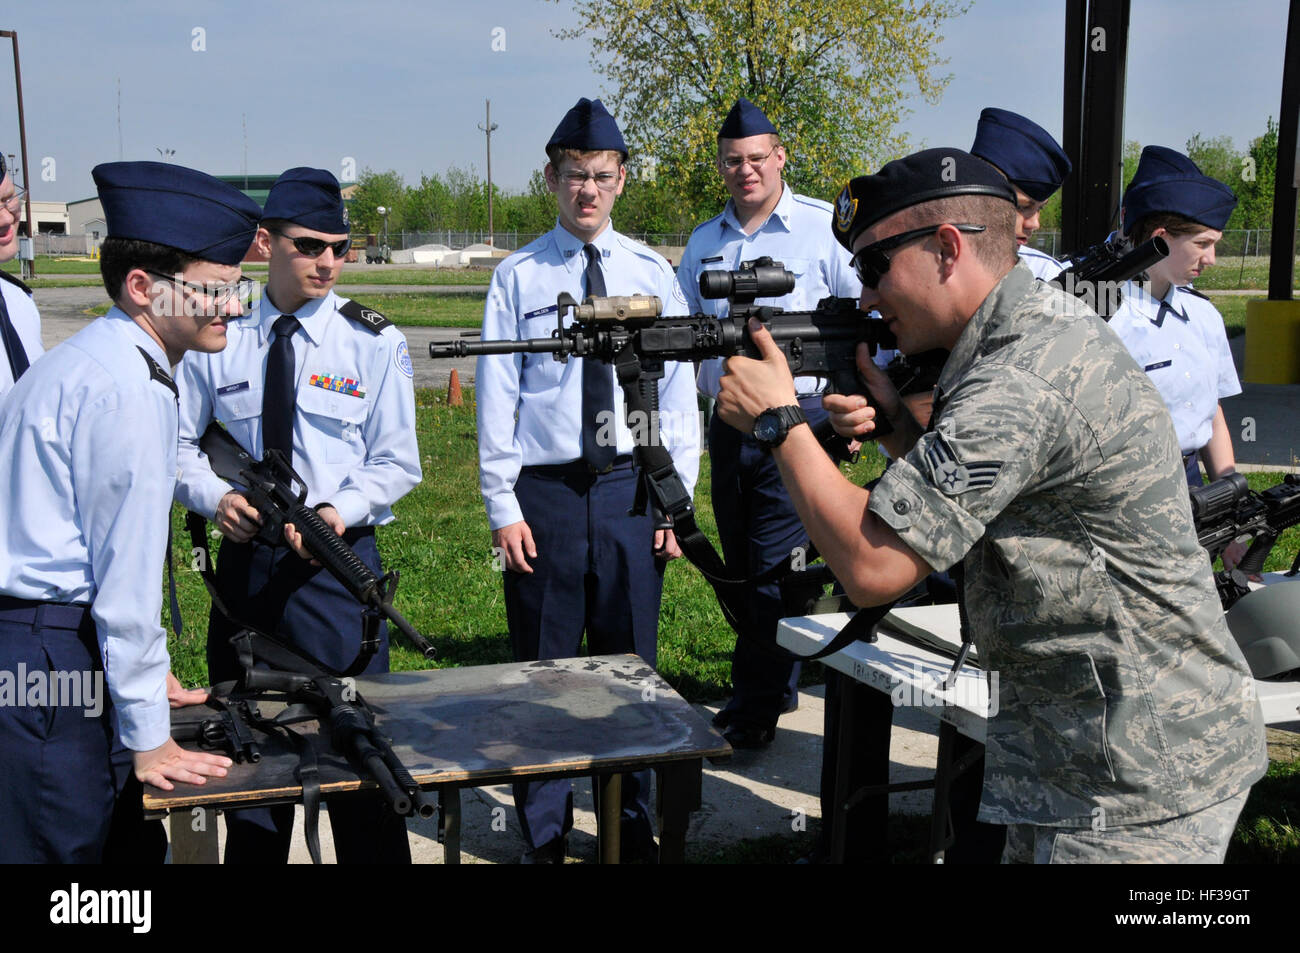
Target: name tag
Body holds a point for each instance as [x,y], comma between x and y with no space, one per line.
[232,388]
[1156,367]
[540,312]
[711,261]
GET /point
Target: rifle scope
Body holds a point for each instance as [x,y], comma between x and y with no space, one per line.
[761,278]
[1213,502]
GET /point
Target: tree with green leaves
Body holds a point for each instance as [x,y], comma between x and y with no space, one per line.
[1258,175]
[832,75]
[375,189]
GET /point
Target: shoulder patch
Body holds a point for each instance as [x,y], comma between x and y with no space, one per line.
[14,281]
[158,374]
[402,358]
[954,477]
[1187,288]
[366,317]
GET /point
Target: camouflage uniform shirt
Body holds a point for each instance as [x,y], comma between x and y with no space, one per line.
[1054,473]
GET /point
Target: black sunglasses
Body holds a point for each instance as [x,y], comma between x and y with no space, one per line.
[315,247]
[871,262]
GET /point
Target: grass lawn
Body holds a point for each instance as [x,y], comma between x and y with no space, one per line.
[1232,271]
[1233,309]
[451,593]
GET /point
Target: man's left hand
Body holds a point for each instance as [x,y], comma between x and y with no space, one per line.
[294,538]
[750,387]
[179,697]
[666,547]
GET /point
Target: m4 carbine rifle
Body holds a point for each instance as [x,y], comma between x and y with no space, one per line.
[278,494]
[275,671]
[1228,508]
[632,334]
[1095,274]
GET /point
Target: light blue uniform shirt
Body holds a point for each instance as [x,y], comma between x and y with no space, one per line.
[354,429]
[27,322]
[1186,357]
[1043,265]
[530,405]
[88,456]
[797,234]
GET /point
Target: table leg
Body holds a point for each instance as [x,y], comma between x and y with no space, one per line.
[609,820]
[194,836]
[449,815]
[861,724]
[680,789]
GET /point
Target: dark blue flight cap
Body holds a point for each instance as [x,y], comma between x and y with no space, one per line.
[310,198]
[588,126]
[745,120]
[921,177]
[1168,181]
[178,207]
[1024,151]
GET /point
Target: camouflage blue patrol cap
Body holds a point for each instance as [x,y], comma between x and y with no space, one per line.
[177,207]
[924,176]
[1024,151]
[1168,181]
[310,198]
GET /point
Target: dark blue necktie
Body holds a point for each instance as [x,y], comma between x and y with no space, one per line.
[278,401]
[12,344]
[597,385]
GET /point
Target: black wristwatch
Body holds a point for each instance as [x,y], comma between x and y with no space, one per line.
[772,425]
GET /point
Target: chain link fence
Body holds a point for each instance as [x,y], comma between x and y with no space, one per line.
[505,240]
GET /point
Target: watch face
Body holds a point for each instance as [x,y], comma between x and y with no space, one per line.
[766,427]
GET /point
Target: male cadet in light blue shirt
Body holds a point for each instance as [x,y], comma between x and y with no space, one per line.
[556,486]
[756,520]
[1034,164]
[20,322]
[329,382]
[88,454]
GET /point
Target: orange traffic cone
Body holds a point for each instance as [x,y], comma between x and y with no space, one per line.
[454,398]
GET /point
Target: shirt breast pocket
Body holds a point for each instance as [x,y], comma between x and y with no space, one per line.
[332,423]
[809,284]
[239,404]
[541,367]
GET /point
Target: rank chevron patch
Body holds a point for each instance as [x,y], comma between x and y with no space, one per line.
[954,477]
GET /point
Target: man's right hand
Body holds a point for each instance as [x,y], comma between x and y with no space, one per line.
[850,415]
[236,517]
[515,542]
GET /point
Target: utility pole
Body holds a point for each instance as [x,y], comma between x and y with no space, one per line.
[30,270]
[487,129]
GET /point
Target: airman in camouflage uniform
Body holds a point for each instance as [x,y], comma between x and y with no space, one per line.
[1127,725]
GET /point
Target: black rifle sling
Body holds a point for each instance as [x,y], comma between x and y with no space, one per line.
[660,475]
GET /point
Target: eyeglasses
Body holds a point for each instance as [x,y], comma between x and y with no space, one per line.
[732,163]
[871,262]
[220,295]
[14,202]
[315,247]
[576,179]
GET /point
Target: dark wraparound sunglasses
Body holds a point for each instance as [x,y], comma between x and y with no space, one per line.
[871,262]
[315,247]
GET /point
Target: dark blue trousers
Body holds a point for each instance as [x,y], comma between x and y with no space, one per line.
[595,572]
[759,528]
[56,775]
[277,591]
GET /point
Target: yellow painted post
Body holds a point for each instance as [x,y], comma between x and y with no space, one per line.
[1272,342]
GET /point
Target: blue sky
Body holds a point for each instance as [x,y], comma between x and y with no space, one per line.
[402,84]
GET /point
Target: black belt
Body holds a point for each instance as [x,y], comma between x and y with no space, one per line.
[579,467]
[48,615]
